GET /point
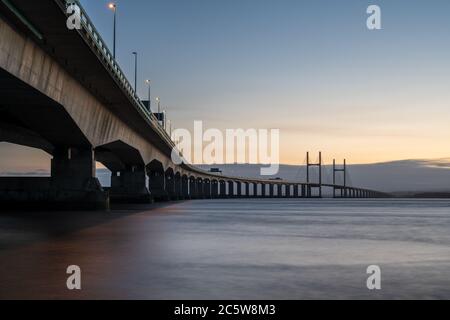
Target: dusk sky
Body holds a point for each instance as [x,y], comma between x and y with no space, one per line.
[310,68]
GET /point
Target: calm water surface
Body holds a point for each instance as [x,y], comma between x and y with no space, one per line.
[231,249]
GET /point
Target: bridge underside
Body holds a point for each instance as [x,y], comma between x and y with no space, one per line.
[31,119]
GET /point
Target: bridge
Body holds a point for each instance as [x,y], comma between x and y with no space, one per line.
[63,92]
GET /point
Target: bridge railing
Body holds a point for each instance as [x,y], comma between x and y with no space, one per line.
[114,67]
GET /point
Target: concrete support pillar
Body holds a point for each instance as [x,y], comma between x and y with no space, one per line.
[200,189]
[191,182]
[170,186]
[193,188]
[223,189]
[271,190]
[178,186]
[255,190]
[308,191]
[157,185]
[73,183]
[296,191]
[239,189]
[215,189]
[303,191]
[247,190]
[129,185]
[288,191]
[185,187]
[231,189]
[71,166]
[279,189]
[207,189]
[263,190]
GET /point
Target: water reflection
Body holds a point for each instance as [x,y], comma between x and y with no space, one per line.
[231,249]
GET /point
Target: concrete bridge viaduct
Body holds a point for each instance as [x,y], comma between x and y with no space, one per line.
[61,91]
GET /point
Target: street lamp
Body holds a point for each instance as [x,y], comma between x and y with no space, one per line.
[149,82]
[159,104]
[113,7]
[135,72]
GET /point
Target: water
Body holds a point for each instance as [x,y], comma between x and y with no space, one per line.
[231,249]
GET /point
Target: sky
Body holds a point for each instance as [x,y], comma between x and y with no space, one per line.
[309,68]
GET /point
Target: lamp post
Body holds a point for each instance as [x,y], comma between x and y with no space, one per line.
[113,7]
[149,83]
[135,71]
[159,104]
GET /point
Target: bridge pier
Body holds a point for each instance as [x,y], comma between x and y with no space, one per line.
[207,189]
[271,191]
[230,189]
[185,187]
[239,189]
[296,191]
[192,188]
[222,189]
[254,188]
[170,185]
[72,184]
[263,190]
[200,192]
[215,189]
[303,191]
[129,185]
[157,185]
[279,188]
[289,194]
[178,186]
[308,191]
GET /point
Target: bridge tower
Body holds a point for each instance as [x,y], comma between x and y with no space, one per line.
[309,184]
[335,171]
